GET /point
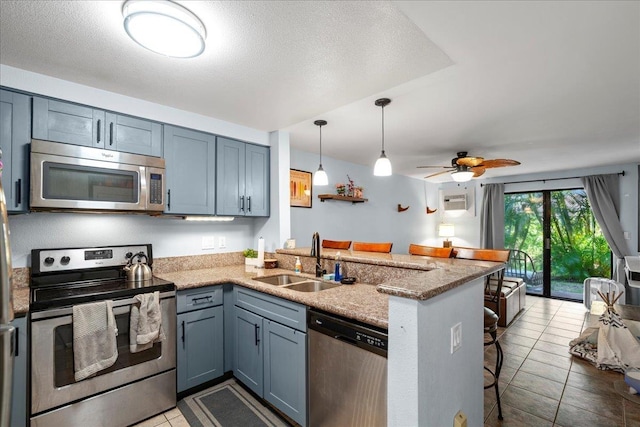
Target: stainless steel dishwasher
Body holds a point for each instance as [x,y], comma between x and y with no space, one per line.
[347,373]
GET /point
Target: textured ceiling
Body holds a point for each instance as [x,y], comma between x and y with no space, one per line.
[554,85]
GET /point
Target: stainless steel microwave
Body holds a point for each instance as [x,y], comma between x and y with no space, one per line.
[65,176]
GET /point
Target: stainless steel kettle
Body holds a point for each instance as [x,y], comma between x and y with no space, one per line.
[138,273]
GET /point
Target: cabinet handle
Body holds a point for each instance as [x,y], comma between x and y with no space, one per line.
[257,331]
[183,345]
[197,300]
[16,332]
[169,200]
[249,204]
[18,192]
[242,203]
[98,141]
[111,133]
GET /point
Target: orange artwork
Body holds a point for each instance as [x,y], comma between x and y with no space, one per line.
[299,188]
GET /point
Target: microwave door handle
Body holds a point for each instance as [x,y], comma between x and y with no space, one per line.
[111,133]
[99,136]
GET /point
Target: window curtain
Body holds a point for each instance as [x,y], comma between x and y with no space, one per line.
[604,197]
[492,217]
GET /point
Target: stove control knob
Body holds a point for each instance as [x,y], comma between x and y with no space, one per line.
[65,260]
[128,255]
[48,261]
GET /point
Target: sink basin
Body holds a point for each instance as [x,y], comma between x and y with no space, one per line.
[281,279]
[311,286]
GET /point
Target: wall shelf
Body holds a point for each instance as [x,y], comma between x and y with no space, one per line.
[353,200]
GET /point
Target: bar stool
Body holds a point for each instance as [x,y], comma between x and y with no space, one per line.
[336,244]
[372,247]
[431,251]
[492,290]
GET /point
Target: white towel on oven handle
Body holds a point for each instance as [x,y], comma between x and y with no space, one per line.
[145,323]
[94,338]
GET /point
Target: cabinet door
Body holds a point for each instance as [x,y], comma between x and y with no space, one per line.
[257,180]
[230,177]
[14,143]
[200,347]
[133,135]
[285,361]
[190,171]
[68,123]
[19,390]
[248,349]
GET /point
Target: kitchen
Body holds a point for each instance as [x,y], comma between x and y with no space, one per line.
[173,237]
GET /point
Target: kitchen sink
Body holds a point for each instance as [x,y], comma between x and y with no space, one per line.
[311,286]
[281,279]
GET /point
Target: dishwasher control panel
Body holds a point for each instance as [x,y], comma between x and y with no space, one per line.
[350,332]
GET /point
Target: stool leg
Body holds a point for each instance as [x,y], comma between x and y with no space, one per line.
[499,358]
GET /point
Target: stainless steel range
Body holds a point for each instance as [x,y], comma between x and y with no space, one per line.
[138,385]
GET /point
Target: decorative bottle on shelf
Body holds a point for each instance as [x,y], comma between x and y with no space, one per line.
[298,265]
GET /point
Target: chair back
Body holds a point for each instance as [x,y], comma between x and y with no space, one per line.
[430,251]
[492,282]
[521,265]
[372,247]
[336,244]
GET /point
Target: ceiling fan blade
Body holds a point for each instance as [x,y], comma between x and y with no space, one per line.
[438,173]
[478,171]
[433,167]
[469,161]
[499,163]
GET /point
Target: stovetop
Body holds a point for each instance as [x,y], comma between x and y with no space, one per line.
[70,276]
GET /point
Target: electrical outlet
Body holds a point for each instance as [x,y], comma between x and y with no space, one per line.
[208,242]
[222,242]
[456,337]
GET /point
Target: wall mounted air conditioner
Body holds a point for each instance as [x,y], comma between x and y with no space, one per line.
[457,202]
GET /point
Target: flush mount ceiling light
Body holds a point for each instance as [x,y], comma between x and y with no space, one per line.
[383,164]
[320,177]
[164,27]
[462,174]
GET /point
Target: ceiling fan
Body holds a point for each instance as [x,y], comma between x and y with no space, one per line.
[464,167]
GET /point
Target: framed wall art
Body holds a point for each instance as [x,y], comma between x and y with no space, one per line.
[300,193]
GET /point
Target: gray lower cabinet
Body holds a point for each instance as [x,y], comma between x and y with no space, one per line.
[19,390]
[190,171]
[15,122]
[200,351]
[242,178]
[271,356]
[70,123]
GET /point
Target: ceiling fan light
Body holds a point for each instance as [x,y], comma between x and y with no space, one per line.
[462,176]
[382,166]
[320,177]
[164,27]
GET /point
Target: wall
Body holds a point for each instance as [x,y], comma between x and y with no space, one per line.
[376,220]
[169,236]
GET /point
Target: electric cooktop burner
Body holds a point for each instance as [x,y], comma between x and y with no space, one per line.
[66,277]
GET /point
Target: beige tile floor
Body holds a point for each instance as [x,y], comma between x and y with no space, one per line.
[541,384]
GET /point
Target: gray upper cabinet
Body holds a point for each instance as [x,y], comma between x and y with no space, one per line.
[81,125]
[14,142]
[242,178]
[190,171]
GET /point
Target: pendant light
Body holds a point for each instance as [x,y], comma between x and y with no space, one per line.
[383,165]
[164,27]
[320,177]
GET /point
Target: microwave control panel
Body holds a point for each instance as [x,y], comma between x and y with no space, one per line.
[155,189]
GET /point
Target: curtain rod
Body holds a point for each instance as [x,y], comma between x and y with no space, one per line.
[548,179]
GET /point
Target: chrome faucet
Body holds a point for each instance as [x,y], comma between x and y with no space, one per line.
[315,251]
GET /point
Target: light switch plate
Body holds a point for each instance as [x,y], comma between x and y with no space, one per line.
[456,337]
[208,242]
[222,242]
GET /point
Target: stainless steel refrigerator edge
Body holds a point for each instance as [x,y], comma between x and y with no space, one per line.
[6,315]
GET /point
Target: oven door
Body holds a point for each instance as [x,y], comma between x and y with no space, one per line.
[52,373]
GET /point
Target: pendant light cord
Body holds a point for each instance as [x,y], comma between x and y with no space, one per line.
[383,128]
[320,145]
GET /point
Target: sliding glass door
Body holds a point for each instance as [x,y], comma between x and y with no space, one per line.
[559,233]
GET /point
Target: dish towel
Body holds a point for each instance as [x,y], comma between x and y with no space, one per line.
[145,323]
[94,338]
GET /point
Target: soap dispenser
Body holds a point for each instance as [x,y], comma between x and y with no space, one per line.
[298,265]
[337,272]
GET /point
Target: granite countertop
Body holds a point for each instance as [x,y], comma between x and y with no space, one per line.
[433,277]
[358,301]
[20,301]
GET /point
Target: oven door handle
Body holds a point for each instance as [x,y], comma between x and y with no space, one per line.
[123,303]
